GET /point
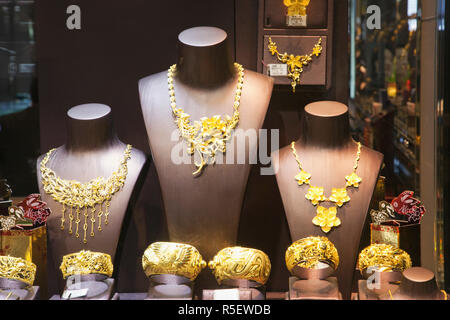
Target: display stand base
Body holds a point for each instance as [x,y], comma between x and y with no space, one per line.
[314,289]
[170,287]
[129,296]
[364,293]
[31,293]
[17,290]
[236,290]
[228,294]
[93,287]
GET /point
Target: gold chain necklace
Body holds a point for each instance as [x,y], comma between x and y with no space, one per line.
[76,195]
[295,63]
[326,218]
[209,135]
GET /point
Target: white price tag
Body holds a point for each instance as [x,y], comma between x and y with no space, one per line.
[73,294]
[226,294]
[296,21]
[278,70]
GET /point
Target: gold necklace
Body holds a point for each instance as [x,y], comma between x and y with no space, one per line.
[209,135]
[76,195]
[326,218]
[295,63]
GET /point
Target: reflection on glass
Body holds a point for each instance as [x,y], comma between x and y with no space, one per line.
[19,129]
[384,88]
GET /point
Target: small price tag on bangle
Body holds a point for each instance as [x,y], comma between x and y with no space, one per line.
[74,294]
[278,70]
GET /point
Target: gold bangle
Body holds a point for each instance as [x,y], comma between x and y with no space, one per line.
[238,263]
[385,257]
[86,262]
[172,258]
[308,252]
[13,268]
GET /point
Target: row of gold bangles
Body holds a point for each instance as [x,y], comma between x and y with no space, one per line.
[310,252]
[80,263]
[229,264]
[237,263]
[234,263]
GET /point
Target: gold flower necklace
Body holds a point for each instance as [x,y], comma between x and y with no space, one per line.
[209,135]
[326,218]
[78,196]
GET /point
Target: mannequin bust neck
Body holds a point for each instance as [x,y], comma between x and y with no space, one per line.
[204,59]
[418,284]
[90,127]
[325,124]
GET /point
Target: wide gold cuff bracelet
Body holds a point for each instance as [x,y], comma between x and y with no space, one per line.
[385,257]
[308,252]
[238,263]
[86,262]
[17,269]
[172,258]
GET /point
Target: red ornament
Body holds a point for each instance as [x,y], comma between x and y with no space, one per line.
[35,209]
[404,202]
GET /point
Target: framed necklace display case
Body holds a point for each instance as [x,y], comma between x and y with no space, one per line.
[296,40]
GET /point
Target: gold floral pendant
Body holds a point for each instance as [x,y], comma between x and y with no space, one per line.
[326,219]
[303,178]
[339,196]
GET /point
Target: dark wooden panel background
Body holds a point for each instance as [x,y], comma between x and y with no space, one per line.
[123,41]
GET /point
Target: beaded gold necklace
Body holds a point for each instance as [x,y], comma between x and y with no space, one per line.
[326,218]
[76,195]
[209,135]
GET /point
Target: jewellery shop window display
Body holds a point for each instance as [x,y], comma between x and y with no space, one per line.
[350,206]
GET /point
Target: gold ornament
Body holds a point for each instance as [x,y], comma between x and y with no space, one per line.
[86,262]
[209,135]
[385,213]
[308,252]
[172,258]
[13,268]
[385,257]
[7,222]
[295,63]
[315,195]
[82,198]
[296,7]
[339,196]
[16,218]
[353,180]
[238,263]
[326,218]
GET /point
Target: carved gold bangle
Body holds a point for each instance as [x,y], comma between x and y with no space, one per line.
[86,262]
[238,263]
[13,268]
[385,257]
[172,258]
[308,252]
